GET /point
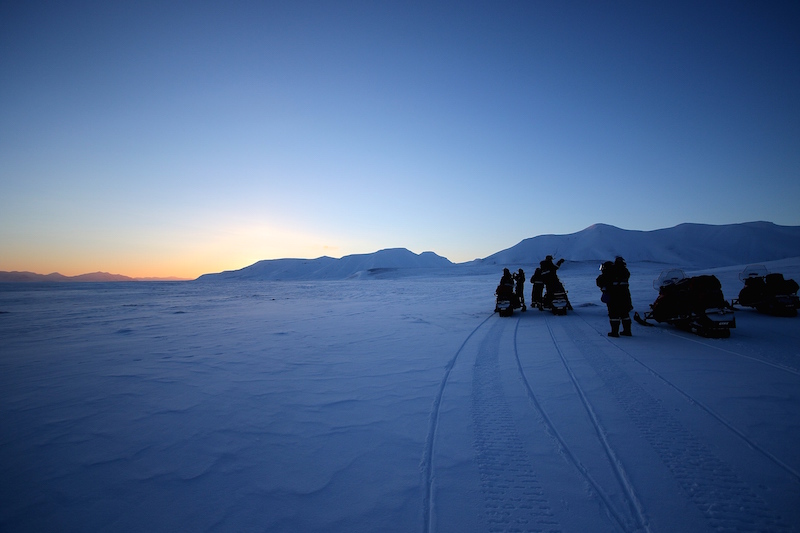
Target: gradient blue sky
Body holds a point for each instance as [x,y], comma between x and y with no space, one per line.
[179,138]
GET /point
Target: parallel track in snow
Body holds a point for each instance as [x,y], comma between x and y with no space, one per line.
[721,419]
[779,366]
[427,459]
[713,486]
[514,498]
[565,449]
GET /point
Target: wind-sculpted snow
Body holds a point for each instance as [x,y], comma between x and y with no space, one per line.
[396,405]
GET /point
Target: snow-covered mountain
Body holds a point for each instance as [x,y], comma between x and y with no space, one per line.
[696,245]
[330,268]
[685,245]
[15,277]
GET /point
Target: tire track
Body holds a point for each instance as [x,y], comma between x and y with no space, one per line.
[514,498]
[739,433]
[726,501]
[779,366]
[636,508]
[565,451]
[427,456]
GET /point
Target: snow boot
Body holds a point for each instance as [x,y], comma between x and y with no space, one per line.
[614,328]
[626,327]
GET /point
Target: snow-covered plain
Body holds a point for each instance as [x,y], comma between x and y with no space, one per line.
[395,404]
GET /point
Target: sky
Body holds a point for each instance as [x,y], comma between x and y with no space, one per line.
[182,138]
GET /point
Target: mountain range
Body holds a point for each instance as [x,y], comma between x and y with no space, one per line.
[682,246]
[16,277]
[695,245]
[685,245]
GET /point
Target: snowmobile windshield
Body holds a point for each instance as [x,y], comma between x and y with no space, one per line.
[753,271]
[667,278]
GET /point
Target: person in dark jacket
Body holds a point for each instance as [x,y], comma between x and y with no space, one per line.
[507,278]
[550,279]
[519,288]
[613,281]
[538,288]
[505,290]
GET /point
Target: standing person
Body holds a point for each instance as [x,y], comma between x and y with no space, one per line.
[613,281]
[549,269]
[538,288]
[519,289]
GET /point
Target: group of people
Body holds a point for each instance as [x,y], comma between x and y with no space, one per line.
[544,280]
[513,282]
[612,281]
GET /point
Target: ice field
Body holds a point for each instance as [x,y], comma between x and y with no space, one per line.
[390,404]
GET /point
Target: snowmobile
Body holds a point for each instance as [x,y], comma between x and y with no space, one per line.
[555,299]
[507,300]
[694,304]
[767,292]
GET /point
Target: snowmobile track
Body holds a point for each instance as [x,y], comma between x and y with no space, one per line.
[739,433]
[727,502]
[514,498]
[427,459]
[756,359]
[565,450]
[622,477]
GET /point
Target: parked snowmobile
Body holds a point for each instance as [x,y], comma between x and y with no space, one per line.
[507,300]
[768,293]
[693,304]
[555,299]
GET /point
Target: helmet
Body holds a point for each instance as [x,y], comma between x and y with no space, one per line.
[548,258]
[619,260]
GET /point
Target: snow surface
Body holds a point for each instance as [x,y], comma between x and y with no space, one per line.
[394,404]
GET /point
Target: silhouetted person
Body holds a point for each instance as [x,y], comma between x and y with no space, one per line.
[538,287]
[505,290]
[613,281]
[519,289]
[507,278]
[550,279]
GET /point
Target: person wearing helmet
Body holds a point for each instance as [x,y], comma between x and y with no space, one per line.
[613,282]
